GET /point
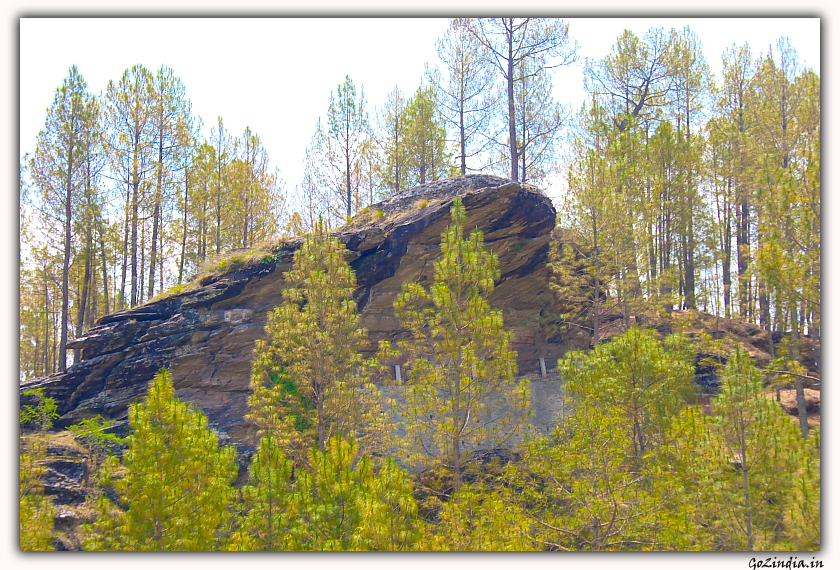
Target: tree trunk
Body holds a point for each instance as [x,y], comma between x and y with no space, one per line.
[135,205]
[463,136]
[800,387]
[184,236]
[514,150]
[125,246]
[104,263]
[65,273]
[156,217]
[743,243]
[349,190]
[80,318]
[596,322]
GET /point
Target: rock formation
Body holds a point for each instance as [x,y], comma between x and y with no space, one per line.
[205,333]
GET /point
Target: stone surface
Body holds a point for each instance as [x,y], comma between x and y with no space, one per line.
[205,334]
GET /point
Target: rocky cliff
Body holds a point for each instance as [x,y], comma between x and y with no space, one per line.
[206,332]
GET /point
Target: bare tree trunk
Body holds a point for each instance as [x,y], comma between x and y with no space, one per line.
[184,236]
[125,247]
[80,319]
[156,216]
[46,324]
[349,189]
[135,205]
[514,154]
[104,263]
[800,387]
[463,136]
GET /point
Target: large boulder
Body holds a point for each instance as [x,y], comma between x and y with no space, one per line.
[205,334]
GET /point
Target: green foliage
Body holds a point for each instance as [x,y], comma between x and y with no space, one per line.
[334,496]
[740,468]
[636,378]
[601,482]
[348,123]
[462,393]
[93,435]
[267,501]
[751,433]
[43,413]
[802,515]
[37,513]
[481,518]
[309,381]
[425,139]
[177,482]
[588,492]
[387,509]
[340,502]
[572,281]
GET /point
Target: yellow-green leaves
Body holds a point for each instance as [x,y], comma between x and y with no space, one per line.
[636,378]
[339,502]
[461,395]
[36,509]
[177,483]
[309,381]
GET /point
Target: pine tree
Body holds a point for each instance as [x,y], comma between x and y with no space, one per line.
[636,377]
[171,112]
[572,281]
[600,479]
[388,518]
[255,199]
[336,501]
[348,127]
[481,518]
[222,144]
[392,134]
[587,491]
[344,505]
[57,170]
[425,139]
[462,396]
[592,210]
[177,482]
[747,464]
[129,108]
[802,516]
[515,45]
[309,380]
[468,99]
[269,501]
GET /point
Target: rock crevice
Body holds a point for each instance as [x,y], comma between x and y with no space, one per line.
[206,335]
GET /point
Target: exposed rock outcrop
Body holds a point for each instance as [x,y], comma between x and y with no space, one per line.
[205,334]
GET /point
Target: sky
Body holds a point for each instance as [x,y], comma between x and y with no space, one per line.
[275,75]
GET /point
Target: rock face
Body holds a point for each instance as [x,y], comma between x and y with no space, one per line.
[205,335]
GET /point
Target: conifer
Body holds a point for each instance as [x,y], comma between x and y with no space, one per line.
[462,396]
[177,482]
[309,381]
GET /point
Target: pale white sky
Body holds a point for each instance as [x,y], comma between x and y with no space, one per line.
[275,75]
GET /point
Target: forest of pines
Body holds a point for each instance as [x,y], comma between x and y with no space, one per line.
[681,191]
